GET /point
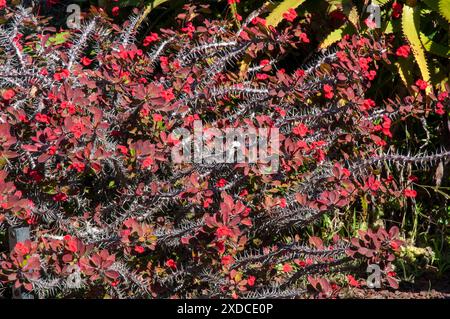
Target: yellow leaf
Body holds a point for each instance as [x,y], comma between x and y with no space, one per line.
[444,9]
[335,36]
[411,26]
[353,16]
[276,15]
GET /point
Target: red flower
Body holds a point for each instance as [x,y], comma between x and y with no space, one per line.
[224,231]
[251,281]
[290,15]
[264,62]
[410,193]
[304,37]
[122,149]
[243,193]
[227,260]
[391,274]
[153,37]
[148,162]
[440,111]
[52,150]
[157,117]
[2,4]
[77,130]
[171,264]
[299,73]
[71,244]
[373,184]
[139,249]
[8,94]
[189,29]
[396,10]
[287,268]
[371,75]
[422,84]
[115,11]
[328,90]
[60,197]
[352,281]
[207,202]
[221,183]
[342,56]
[442,96]
[262,76]
[403,51]
[300,130]
[394,245]
[258,20]
[78,166]
[386,126]
[367,104]
[230,2]
[21,248]
[86,61]
[59,76]
[168,95]
[280,111]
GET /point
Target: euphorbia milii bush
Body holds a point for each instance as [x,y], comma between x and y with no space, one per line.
[86,119]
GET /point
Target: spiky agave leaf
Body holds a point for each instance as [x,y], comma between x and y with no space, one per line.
[411,30]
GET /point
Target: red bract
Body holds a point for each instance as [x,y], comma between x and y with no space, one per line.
[86,61]
[403,51]
[152,37]
[396,10]
[328,91]
[410,193]
[8,94]
[171,264]
[352,281]
[115,11]
[290,15]
[422,84]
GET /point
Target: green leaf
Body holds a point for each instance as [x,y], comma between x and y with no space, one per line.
[433,47]
[58,38]
[335,36]
[381,2]
[433,4]
[276,15]
[411,27]
[444,9]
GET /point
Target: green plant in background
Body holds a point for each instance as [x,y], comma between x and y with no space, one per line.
[423,25]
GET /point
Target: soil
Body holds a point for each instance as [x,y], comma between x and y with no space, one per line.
[427,287]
